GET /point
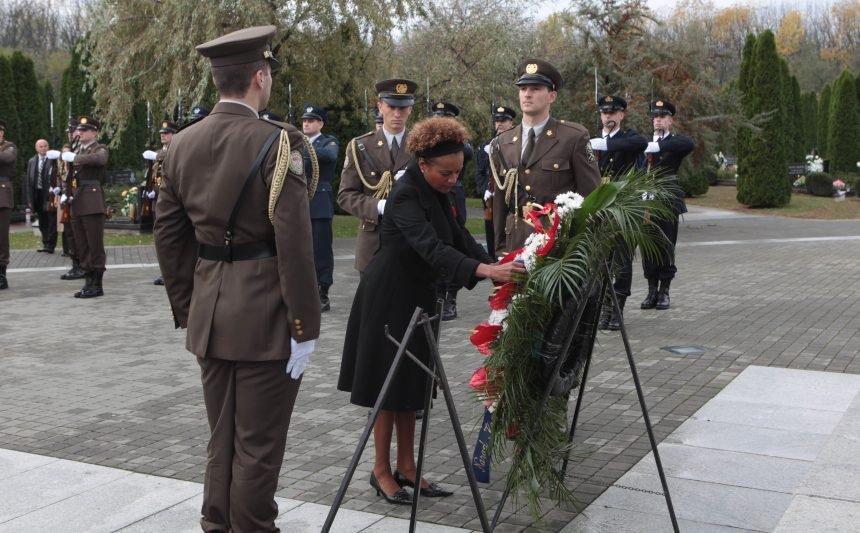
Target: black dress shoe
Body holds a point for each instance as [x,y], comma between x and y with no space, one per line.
[40,250]
[73,274]
[401,497]
[48,250]
[433,491]
[158,281]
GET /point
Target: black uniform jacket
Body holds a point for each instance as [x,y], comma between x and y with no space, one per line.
[622,152]
[673,150]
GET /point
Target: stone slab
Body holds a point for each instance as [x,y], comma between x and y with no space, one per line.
[727,468]
[821,515]
[13,463]
[108,507]
[312,516]
[768,415]
[602,519]
[398,525]
[827,391]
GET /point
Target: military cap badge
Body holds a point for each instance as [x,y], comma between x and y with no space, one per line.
[309,109]
[440,105]
[500,109]
[83,120]
[608,99]
[658,103]
[164,124]
[531,68]
[400,88]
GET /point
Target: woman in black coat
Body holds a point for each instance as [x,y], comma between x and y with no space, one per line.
[420,242]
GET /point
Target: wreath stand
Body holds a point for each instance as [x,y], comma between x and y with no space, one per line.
[435,375]
[555,376]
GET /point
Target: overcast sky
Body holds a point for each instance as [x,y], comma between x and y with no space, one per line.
[661,6]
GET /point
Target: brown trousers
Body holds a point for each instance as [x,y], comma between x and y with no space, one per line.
[5,219]
[249,405]
[90,241]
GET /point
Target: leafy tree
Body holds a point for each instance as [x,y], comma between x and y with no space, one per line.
[762,166]
[844,127]
[824,122]
[790,35]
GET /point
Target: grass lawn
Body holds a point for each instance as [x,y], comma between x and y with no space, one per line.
[26,240]
[800,206]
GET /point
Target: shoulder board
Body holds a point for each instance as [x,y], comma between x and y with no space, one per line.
[189,124]
[368,134]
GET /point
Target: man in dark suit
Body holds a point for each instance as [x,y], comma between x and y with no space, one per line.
[373,162]
[503,120]
[8,156]
[88,204]
[665,154]
[40,195]
[238,270]
[618,152]
[322,203]
[539,159]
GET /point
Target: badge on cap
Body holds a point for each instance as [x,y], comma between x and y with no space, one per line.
[309,109]
[531,68]
[400,88]
[608,99]
[164,124]
[658,103]
[500,110]
[440,105]
[83,120]
[267,54]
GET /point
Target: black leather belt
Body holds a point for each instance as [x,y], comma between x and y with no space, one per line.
[238,252]
[89,182]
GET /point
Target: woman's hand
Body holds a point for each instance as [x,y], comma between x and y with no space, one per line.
[500,272]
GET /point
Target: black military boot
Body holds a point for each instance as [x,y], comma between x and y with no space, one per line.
[76,271]
[325,304]
[88,277]
[650,301]
[96,287]
[4,283]
[158,281]
[449,309]
[663,295]
[605,312]
[615,321]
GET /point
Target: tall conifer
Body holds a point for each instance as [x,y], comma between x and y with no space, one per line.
[824,122]
[844,129]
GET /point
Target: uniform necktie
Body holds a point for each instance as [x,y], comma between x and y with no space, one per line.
[530,146]
[395,149]
[39,173]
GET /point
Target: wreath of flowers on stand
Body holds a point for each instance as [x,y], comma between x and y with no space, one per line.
[573,242]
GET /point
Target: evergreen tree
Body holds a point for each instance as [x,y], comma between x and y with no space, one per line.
[824,122]
[809,105]
[798,134]
[844,129]
[744,85]
[132,142]
[74,90]
[9,113]
[29,109]
[763,170]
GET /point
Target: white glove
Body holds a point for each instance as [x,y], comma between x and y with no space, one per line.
[380,207]
[488,194]
[150,195]
[488,149]
[399,174]
[55,191]
[653,147]
[300,355]
[69,157]
[53,154]
[65,199]
[598,143]
[149,155]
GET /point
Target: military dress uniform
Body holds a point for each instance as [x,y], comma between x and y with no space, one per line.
[88,210]
[322,204]
[561,161]
[369,170]
[247,295]
[618,152]
[668,152]
[149,192]
[8,156]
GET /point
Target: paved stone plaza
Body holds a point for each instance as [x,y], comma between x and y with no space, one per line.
[107,381]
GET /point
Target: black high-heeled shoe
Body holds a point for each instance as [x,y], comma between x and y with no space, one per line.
[400,497]
[433,491]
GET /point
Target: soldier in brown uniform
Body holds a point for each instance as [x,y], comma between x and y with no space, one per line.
[539,159]
[233,237]
[150,191]
[8,155]
[373,162]
[88,204]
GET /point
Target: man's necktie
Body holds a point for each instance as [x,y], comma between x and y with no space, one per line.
[530,147]
[395,149]
[39,173]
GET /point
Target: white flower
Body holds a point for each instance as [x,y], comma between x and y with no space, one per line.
[498,317]
[529,254]
[568,202]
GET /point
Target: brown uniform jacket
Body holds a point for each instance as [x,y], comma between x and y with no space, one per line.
[8,155]
[243,310]
[562,161]
[374,158]
[90,171]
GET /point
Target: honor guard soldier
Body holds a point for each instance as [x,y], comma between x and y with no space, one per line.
[322,203]
[537,160]
[198,112]
[503,120]
[8,157]
[65,217]
[373,161]
[457,195]
[150,190]
[618,152]
[233,239]
[271,117]
[88,204]
[665,154]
